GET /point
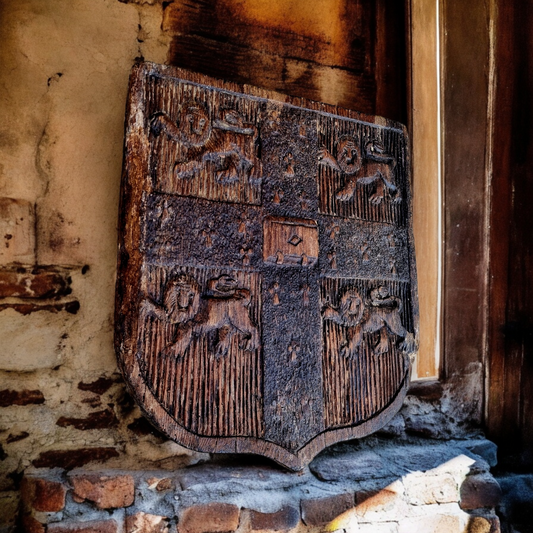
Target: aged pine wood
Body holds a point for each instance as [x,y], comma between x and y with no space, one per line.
[266,292]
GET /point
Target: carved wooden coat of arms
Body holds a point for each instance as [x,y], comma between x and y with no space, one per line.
[266,293]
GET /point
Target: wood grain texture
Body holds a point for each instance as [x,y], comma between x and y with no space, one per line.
[350,53]
[511,241]
[255,315]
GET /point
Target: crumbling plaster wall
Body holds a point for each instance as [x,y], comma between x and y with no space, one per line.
[64,80]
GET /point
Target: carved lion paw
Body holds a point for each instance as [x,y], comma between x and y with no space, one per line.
[408,345]
[345,193]
[376,199]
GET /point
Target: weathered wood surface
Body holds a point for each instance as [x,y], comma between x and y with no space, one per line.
[266,293]
[339,51]
[510,391]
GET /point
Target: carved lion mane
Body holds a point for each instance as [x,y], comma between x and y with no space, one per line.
[352,308]
[182,299]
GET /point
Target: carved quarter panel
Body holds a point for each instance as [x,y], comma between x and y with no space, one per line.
[205,142]
[266,291]
[361,172]
[200,347]
[367,331]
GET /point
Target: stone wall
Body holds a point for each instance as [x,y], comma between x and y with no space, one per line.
[377,487]
[62,402]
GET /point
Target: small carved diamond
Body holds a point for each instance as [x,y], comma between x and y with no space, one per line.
[295,240]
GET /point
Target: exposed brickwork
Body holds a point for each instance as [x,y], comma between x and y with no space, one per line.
[35,282]
[31,307]
[20,397]
[411,489]
[286,518]
[93,526]
[100,386]
[99,420]
[146,523]
[480,491]
[43,494]
[69,459]
[106,492]
[210,518]
[321,511]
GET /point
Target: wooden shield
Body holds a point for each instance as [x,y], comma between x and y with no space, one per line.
[266,293]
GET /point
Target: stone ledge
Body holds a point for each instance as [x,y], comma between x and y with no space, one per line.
[372,486]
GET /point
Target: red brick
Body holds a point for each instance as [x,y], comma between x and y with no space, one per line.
[69,459]
[20,397]
[30,525]
[106,492]
[286,518]
[99,386]
[210,518]
[146,523]
[98,420]
[43,495]
[480,491]
[36,282]
[94,526]
[321,511]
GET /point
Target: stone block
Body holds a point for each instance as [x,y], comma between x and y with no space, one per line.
[160,484]
[93,526]
[485,449]
[427,490]
[238,477]
[17,231]
[209,518]
[434,523]
[42,494]
[146,523]
[381,505]
[484,524]
[354,466]
[105,491]
[321,511]
[480,491]
[286,518]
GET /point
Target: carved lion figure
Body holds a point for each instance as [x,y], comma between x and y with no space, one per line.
[376,168]
[381,313]
[220,314]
